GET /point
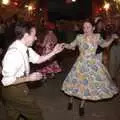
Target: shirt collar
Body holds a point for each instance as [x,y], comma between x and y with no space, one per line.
[20,46]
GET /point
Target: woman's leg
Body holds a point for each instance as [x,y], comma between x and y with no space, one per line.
[70,104]
[81,108]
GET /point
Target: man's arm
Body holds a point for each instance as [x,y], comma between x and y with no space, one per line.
[20,80]
[58,48]
[12,66]
[35,76]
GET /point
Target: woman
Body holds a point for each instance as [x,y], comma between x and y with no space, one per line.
[88,78]
[52,66]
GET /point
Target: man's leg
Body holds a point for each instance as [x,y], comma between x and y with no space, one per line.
[30,109]
[19,101]
[12,113]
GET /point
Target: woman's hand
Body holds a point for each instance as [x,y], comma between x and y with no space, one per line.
[115,36]
[58,48]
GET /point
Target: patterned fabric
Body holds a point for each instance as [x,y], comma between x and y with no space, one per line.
[88,78]
[52,66]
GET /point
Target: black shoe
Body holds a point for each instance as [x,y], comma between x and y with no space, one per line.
[81,111]
[21,117]
[70,106]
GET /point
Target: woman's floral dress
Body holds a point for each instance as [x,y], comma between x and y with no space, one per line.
[88,78]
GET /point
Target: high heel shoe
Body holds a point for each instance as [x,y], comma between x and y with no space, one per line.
[81,111]
[81,108]
[70,106]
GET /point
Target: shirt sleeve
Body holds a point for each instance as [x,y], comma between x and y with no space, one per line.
[11,64]
[33,56]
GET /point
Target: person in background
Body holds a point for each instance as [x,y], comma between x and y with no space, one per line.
[100,28]
[10,31]
[114,61]
[52,66]
[108,35]
[16,73]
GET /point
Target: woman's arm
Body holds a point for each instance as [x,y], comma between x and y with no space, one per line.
[72,45]
[69,46]
[108,43]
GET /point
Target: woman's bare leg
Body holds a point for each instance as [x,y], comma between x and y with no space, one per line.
[81,108]
[70,104]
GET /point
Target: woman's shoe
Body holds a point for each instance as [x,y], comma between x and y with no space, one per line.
[70,106]
[81,111]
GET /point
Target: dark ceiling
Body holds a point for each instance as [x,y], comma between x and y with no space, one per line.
[59,9]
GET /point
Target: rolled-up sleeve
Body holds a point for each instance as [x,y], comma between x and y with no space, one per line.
[33,56]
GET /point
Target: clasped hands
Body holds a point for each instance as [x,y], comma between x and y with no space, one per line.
[59,48]
[35,76]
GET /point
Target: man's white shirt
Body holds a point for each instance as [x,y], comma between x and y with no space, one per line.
[16,62]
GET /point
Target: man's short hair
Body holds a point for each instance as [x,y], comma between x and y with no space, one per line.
[22,28]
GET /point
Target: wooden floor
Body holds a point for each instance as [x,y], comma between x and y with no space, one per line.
[54,102]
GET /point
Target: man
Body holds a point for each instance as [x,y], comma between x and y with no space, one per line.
[15,72]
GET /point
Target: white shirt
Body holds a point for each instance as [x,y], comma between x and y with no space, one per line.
[16,62]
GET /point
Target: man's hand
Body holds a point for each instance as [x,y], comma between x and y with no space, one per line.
[35,76]
[58,48]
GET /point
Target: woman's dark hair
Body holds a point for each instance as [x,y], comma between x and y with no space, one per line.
[90,21]
[22,28]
